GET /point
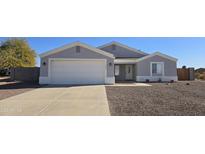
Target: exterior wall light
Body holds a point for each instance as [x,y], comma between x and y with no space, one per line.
[110,64]
[44,63]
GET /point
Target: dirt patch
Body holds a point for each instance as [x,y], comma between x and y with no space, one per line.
[8,89]
[158,99]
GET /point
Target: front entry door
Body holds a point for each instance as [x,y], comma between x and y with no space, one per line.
[128,72]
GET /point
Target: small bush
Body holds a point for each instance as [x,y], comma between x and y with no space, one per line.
[202,76]
[197,75]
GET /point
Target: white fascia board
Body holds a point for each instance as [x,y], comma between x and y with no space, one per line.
[77,44]
[125,61]
[157,54]
[123,46]
[56,50]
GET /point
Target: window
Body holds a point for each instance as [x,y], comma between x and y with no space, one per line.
[154,68]
[157,68]
[117,70]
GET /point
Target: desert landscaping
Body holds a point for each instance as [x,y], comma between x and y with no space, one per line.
[185,98]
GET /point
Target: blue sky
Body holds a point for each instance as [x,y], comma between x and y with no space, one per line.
[189,51]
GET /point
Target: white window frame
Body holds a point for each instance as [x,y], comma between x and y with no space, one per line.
[162,63]
[117,66]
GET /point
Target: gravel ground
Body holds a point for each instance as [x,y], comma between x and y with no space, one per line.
[161,99]
[8,89]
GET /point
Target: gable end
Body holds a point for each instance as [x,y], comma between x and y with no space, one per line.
[77,45]
[114,44]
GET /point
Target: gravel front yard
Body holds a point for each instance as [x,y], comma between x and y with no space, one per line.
[8,89]
[159,99]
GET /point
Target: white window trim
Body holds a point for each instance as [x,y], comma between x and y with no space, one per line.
[156,63]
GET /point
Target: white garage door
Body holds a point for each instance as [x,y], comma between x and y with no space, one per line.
[77,71]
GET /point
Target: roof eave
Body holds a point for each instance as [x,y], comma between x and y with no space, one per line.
[56,50]
[157,54]
[124,46]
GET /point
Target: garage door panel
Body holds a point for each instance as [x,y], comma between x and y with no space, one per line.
[78,71]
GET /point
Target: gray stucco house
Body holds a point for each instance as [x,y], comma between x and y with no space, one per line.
[79,63]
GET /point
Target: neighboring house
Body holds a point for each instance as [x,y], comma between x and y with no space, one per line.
[79,63]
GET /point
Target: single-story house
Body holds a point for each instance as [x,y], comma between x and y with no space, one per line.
[79,63]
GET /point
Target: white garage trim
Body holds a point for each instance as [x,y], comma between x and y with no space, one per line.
[44,80]
[110,80]
[75,59]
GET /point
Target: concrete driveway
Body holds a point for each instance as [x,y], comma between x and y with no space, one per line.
[79,100]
